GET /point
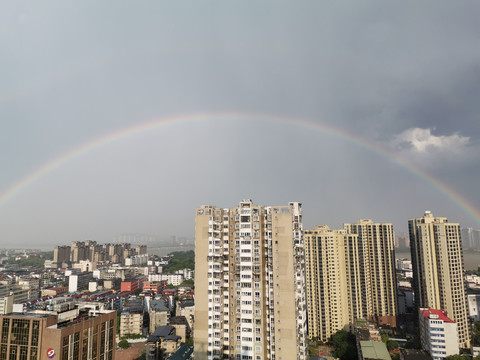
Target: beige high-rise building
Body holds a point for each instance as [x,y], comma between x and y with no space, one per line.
[61,254]
[249,283]
[437,261]
[376,251]
[332,281]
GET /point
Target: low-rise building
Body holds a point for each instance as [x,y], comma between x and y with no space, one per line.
[173,279]
[55,291]
[40,335]
[474,306]
[131,321]
[132,284]
[159,314]
[182,328]
[438,333]
[154,287]
[373,350]
[79,281]
[186,308]
[162,343]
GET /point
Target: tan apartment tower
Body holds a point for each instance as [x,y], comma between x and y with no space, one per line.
[332,281]
[437,262]
[249,283]
[377,270]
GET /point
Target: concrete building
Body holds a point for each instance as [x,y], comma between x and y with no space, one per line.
[173,279]
[373,350]
[79,281]
[332,281]
[131,321]
[159,314]
[186,308]
[474,306]
[154,287]
[61,255]
[437,262]
[376,252]
[249,283]
[438,333]
[182,328]
[40,336]
[132,284]
[162,343]
[6,304]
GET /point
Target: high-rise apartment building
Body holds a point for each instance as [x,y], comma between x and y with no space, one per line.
[332,281]
[249,283]
[437,262]
[61,254]
[376,251]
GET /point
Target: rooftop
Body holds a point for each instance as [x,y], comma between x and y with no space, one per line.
[436,314]
[374,350]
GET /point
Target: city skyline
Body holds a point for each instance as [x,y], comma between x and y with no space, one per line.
[124,126]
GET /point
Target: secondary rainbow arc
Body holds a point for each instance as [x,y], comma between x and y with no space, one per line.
[381,151]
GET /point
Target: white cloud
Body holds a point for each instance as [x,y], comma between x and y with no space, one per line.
[422,141]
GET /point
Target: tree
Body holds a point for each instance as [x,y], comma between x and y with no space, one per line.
[476,333]
[385,338]
[344,344]
[458,357]
[123,344]
[392,345]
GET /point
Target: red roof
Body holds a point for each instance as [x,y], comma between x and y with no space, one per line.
[441,314]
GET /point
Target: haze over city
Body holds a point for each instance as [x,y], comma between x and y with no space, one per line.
[124,117]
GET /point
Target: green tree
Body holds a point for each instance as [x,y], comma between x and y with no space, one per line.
[344,344]
[392,345]
[123,344]
[188,282]
[181,260]
[458,357]
[385,338]
[476,333]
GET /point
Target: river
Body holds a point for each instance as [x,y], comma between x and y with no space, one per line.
[471,259]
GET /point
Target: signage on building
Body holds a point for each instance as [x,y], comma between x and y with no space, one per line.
[50,353]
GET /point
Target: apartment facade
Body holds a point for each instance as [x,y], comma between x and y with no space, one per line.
[438,333]
[249,283]
[437,261]
[332,281]
[376,253]
[39,336]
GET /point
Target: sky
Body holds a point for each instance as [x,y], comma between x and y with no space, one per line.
[122,117]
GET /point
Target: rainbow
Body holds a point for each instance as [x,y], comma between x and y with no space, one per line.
[381,151]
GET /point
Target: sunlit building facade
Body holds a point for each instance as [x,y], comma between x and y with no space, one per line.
[437,261]
[249,283]
[376,251]
[332,281]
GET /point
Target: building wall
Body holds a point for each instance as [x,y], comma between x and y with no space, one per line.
[437,261]
[438,337]
[249,283]
[331,298]
[376,253]
[474,306]
[131,323]
[33,335]
[158,318]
